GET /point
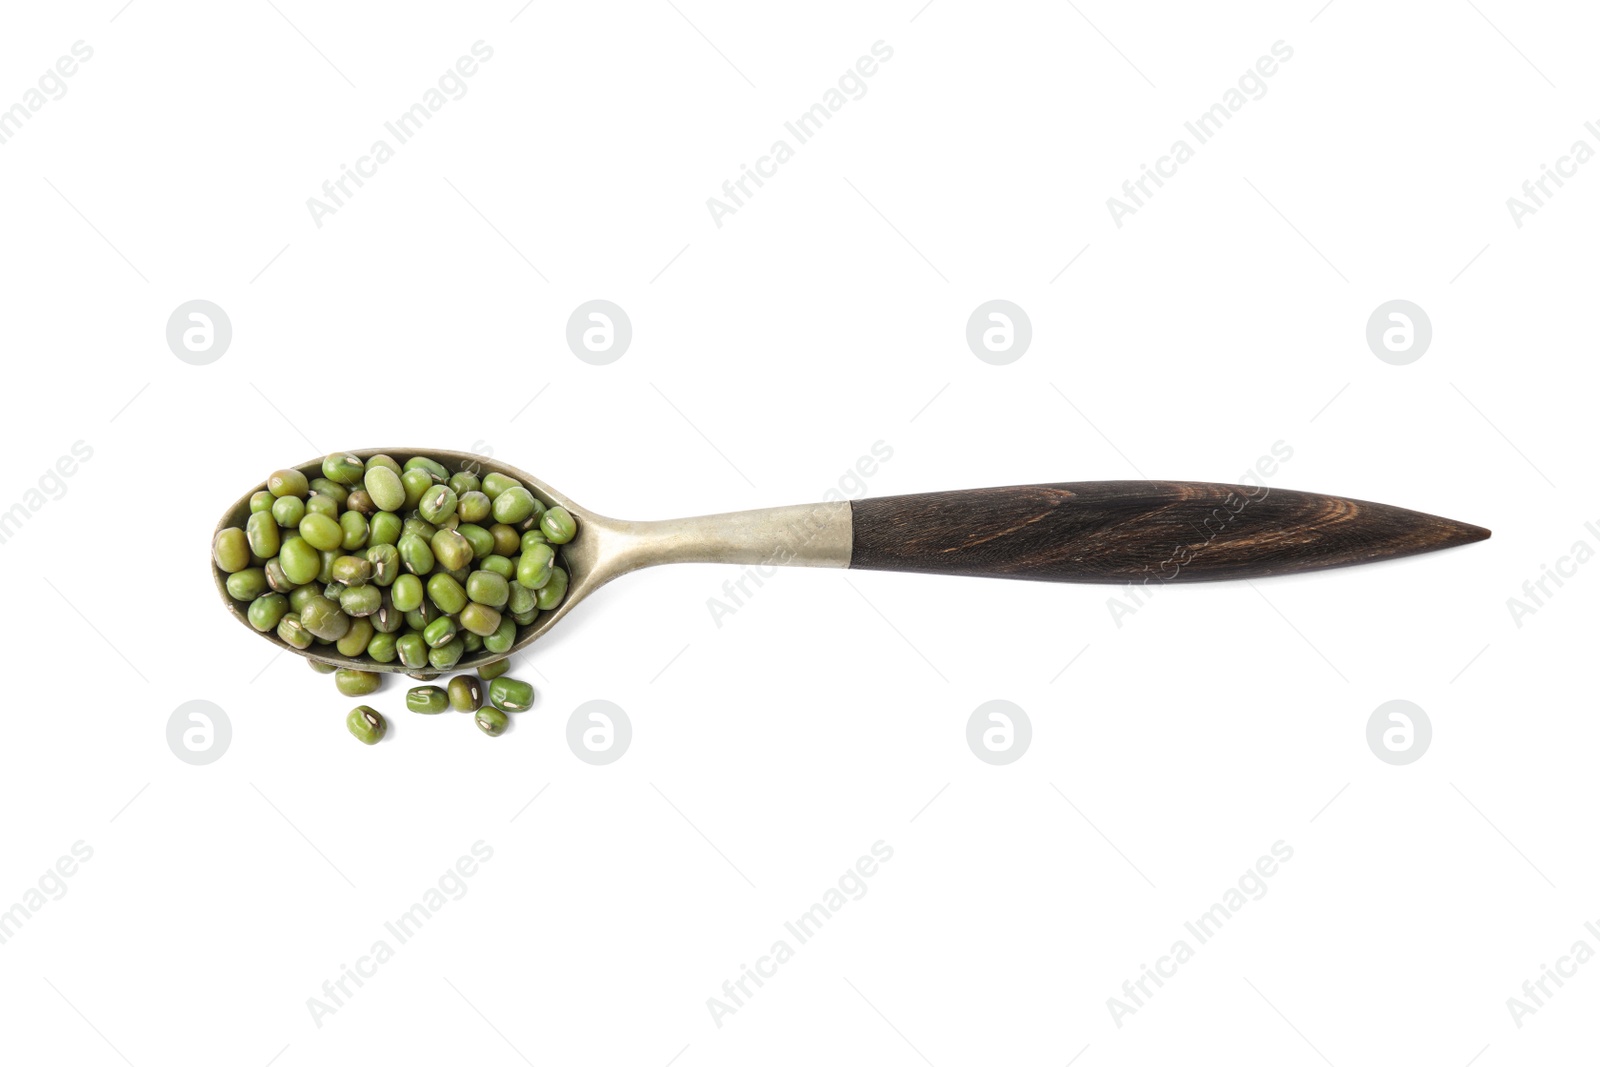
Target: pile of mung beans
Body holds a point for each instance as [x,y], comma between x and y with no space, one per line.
[389,562]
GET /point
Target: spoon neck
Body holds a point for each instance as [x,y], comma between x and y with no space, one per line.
[799,535]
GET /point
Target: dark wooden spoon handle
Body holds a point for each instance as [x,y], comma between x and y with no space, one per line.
[1117,532]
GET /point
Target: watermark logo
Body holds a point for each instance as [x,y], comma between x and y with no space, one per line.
[51,485]
[850,886]
[999,332]
[738,592]
[199,732]
[1536,991]
[51,86]
[1399,732]
[51,886]
[1251,885]
[1399,332]
[999,732]
[1538,591]
[1215,525]
[451,885]
[851,85]
[199,332]
[1538,191]
[599,332]
[1251,85]
[481,448]
[599,732]
[451,85]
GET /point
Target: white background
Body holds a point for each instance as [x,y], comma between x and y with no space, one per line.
[769,354]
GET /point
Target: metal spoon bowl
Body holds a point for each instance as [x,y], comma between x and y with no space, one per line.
[603,549]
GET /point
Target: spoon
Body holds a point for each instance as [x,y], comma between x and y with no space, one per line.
[1144,532]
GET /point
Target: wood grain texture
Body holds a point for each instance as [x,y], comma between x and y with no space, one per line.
[1156,532]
